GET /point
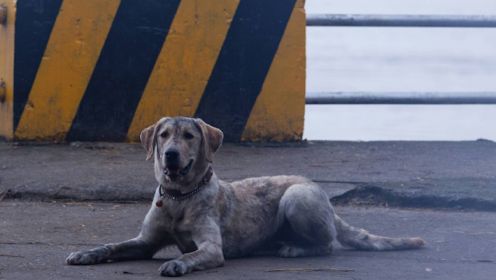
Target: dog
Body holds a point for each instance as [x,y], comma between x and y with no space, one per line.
[210,220]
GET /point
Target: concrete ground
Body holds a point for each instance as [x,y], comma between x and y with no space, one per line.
[405,174]
[58,198]
[36,237]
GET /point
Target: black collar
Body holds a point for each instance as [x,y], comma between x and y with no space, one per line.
[179,196]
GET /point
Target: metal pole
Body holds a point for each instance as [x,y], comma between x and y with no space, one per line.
[3,14]
[463,21]
[401,98]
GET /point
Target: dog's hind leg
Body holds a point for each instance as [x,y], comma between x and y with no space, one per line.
[308,216]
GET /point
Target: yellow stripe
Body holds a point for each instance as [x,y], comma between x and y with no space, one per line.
[185,62]
[7,71]
[279,111]
[68,62]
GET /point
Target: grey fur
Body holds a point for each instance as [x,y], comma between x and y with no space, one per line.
[285,215]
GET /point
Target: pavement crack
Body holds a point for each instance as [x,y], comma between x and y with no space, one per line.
[372,195]
[37,243]
[11,256]
[131,272]
[484,261]
[324,181]
[323,269]
[24,243]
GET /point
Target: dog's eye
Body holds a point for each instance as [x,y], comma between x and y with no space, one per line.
[188,135]
[164,134]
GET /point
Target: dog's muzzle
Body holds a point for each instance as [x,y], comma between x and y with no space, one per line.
[174,171]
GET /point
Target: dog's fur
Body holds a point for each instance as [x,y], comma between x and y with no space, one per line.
[286,215]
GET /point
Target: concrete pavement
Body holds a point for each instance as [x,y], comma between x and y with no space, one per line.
[58,198]
[36,237]
[458,175]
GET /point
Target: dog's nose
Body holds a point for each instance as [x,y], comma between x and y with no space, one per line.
[171,155]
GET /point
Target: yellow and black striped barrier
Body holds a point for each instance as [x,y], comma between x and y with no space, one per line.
[101,70]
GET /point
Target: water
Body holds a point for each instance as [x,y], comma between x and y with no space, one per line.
[401,59]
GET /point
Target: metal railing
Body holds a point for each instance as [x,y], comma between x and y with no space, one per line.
[458,21]
[401,98]
[440,21]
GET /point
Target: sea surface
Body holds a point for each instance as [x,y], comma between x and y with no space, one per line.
[401,59]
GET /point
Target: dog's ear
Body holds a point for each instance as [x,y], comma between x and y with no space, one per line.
[212,138]
[147,138]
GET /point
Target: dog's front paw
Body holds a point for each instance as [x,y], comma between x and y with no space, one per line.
[94,256]
[174,268]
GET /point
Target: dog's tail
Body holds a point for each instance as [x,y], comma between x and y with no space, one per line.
[363,240]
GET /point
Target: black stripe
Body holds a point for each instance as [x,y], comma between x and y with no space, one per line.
[122,71]
[34,23]
[243,63]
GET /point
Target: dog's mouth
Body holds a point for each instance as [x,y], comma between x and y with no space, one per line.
[174,171]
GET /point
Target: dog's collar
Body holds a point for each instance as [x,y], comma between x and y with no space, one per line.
[178,196]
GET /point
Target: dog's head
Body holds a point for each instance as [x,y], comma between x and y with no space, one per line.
[182,149]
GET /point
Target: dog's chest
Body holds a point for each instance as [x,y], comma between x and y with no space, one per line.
[179,225]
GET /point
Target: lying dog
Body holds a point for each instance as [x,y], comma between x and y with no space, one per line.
[209,219]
